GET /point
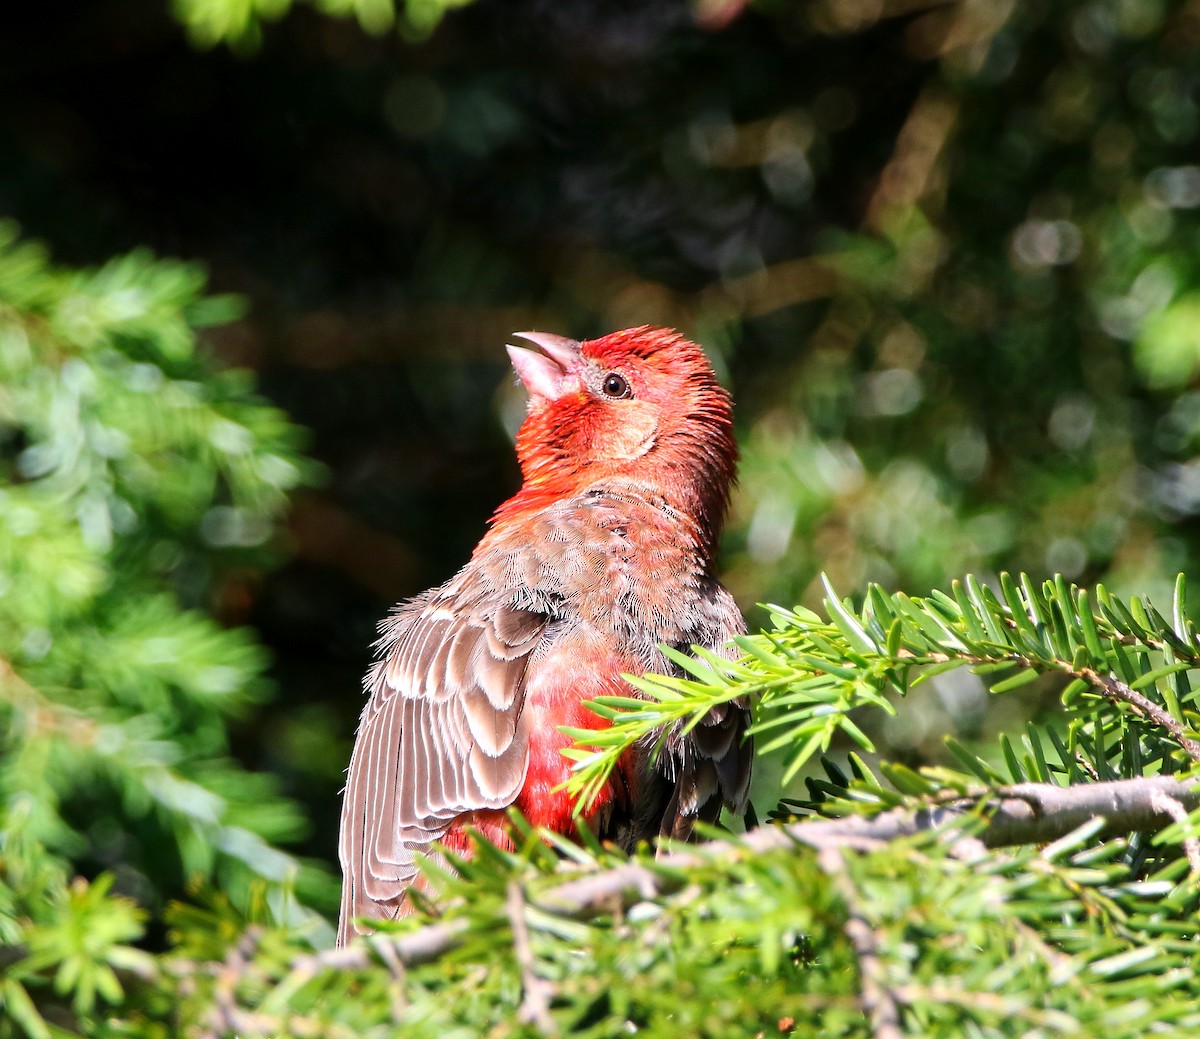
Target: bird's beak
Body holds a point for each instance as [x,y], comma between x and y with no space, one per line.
[550,373]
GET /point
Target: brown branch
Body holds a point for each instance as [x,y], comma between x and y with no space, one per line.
[1147,708]
[1108,686]
[1032,813]
[535,996]
[878,1001]
[912,169]
[1028,813]
[1191,845]
[412,950]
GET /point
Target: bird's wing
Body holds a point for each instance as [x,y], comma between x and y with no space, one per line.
[441,735]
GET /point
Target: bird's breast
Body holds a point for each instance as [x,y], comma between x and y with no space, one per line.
[637,573]
[627,565]
[576,666]
[618,575]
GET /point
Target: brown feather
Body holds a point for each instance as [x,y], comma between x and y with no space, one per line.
[422,756]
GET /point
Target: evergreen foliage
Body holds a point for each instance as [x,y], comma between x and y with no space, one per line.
[137,476]
[931,932]
[239,23]
[135,479]
[929,935]
[958,302]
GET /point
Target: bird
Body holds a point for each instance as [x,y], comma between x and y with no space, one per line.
[604,555]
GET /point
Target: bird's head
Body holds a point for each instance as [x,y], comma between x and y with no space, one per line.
[641,406]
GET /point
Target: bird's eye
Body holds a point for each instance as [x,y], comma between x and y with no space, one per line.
[615,386]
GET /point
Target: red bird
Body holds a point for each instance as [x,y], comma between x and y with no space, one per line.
[606,552]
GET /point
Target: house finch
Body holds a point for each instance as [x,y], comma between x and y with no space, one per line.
[605,553]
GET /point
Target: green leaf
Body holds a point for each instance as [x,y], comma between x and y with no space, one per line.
[966,610]
[989,613]
[846,621]
[1014,766]
[818,740]
[21,1009]
[1091,635]
[1021,678]
[1017,611]
[1152,676]
[1072,841]
[906,780]
[1042,771]
[1179,615]
[974,763]
[895,637]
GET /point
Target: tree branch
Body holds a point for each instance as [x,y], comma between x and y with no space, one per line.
[878,1001]
[1191,845]
[1028,813]
[535,997]
[1147,708]
[1031,813]
[1107,685]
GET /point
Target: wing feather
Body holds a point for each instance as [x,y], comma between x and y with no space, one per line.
[441,735]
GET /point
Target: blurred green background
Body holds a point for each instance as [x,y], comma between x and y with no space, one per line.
[944,253]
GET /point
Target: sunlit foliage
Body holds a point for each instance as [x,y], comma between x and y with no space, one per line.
[944,255]
[135,478]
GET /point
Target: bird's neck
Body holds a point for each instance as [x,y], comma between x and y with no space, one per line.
[688,504]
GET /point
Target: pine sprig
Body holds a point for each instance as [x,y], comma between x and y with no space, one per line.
[917,935]
[1127,668]
[131,470]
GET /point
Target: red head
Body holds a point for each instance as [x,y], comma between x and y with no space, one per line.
[641,407]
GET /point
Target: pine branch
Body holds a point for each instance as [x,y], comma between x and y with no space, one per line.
[1029,814]
[1023,814]
[535,1001]
[805,678]
[879,1003]
[1148,709]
